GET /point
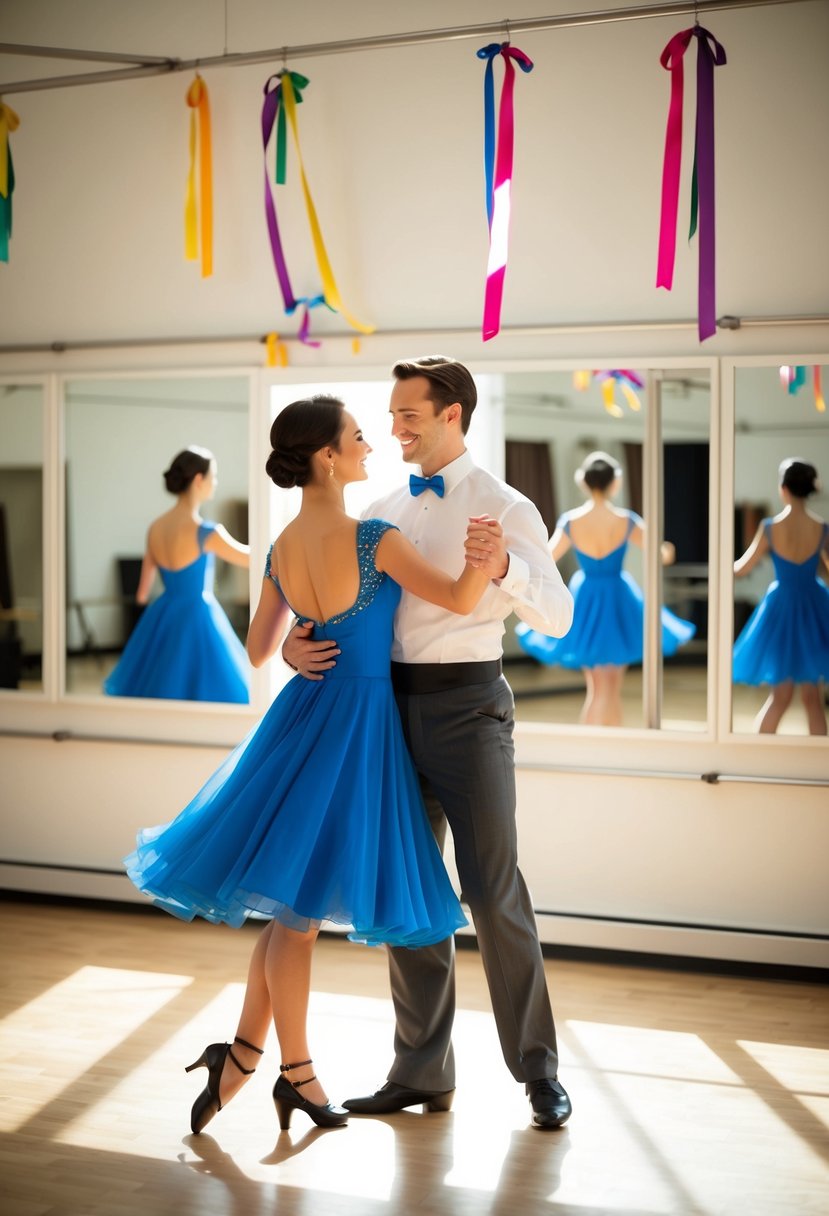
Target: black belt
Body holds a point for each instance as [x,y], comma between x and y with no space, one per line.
[438,677]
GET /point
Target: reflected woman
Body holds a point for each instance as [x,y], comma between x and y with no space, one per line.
[183,647]
[785,641]
[608,606]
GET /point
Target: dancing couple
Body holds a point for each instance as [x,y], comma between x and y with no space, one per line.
[399,715]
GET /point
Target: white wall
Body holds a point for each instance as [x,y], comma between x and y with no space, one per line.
[392,143]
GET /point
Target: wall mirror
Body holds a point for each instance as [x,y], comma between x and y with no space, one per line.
[553,421]
[120,434]
[21,536]
[777,416]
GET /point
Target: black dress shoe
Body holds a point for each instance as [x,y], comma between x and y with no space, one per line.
[392,1097]
[550,1103]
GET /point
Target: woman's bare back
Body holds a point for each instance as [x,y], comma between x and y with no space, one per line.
[173,540]
[317,566]
[796,535]
[598,530]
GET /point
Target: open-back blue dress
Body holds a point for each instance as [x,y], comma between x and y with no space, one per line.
[608,615]
[317,815]
[787,635]
[183,647]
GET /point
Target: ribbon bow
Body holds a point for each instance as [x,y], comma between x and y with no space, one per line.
[498,174]
[710,54]
[198,101]
[418,484]
[9,121]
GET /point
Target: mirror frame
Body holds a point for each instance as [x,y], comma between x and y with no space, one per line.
[50,711]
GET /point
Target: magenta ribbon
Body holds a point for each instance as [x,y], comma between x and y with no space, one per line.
[710,54]
[270,110]
[498,174]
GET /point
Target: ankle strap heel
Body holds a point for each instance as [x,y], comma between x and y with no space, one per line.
[287,1068]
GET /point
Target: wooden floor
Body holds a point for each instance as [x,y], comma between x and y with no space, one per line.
[692,1094]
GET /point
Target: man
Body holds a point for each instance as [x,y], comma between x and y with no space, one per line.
[457,713]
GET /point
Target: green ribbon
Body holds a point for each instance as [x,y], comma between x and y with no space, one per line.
[299,82]
[6,212]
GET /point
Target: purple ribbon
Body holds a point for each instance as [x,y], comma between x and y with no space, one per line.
[710,54]
[270,109]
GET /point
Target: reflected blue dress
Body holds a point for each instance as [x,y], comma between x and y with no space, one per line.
[183,647]
[317,815]
[608,615]
[787,635]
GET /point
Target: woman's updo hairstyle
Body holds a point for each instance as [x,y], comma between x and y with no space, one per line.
[300,430]
[184,467]
[798,477]
[598,471]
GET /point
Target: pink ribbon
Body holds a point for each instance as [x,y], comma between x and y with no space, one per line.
[498,208]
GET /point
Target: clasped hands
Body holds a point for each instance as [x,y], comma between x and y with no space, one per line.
[484,548]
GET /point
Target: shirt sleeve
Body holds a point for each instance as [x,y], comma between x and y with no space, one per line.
[532,584]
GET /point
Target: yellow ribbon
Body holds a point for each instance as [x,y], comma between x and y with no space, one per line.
[197,100]
[277,352]
[329,286]
[631,397]
[608,396]
[9,121]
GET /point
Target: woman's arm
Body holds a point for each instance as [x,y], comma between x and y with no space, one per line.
[559,543]
[146,579]
[757,550]
[398,558]
[268,624]
[223,545]
[667,550]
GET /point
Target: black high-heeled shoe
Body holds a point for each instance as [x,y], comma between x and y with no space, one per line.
[213,1059]
[287,1100]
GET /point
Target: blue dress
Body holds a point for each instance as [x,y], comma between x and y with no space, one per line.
[183,647]
[608,615]
[317,815]
[787,635]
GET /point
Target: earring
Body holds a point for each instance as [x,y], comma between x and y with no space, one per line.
[331,469]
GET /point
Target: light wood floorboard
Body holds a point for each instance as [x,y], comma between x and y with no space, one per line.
[694,1095]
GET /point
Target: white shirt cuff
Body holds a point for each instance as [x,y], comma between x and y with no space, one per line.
[517,577]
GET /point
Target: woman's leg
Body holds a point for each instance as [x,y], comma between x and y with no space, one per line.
[605,708]
[288,977]
[780,698]
[254,1021]
[590,693]
[812,697]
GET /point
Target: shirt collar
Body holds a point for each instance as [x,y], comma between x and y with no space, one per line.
[454,472]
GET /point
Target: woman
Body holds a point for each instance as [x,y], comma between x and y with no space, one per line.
[608,608]
[183,646]
[785,641]
[317,815]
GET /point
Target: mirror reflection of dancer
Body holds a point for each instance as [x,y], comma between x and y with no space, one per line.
[785,641]
[183,646]
[608,609]
[317,815]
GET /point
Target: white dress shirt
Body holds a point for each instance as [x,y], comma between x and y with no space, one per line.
[532,586]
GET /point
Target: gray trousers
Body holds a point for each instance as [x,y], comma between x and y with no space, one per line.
[462,746]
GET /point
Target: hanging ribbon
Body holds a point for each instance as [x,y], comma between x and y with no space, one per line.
[820,404]
[9,121]
[794,377]
[276,352]
[710,54]
[198,101]
[498,167]
[283,92]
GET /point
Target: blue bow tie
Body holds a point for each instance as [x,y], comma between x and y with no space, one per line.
[418,484]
